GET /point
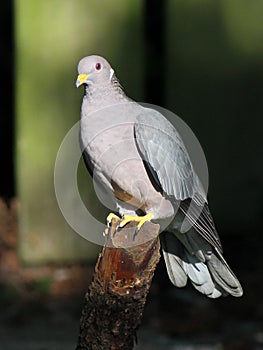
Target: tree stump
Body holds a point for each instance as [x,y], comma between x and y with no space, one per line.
[116,298]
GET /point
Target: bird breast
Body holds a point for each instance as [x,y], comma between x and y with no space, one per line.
[108,137]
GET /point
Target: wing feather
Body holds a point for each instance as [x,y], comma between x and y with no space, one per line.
[162,148]
[167,159]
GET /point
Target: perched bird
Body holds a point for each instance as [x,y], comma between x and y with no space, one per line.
[137,155]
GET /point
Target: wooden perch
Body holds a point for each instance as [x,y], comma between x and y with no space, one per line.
[115,301]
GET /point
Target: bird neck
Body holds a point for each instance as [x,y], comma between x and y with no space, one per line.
[104,94]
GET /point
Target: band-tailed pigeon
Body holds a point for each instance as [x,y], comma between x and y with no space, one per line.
[136,154]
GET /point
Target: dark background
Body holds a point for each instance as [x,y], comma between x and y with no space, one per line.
[7,188]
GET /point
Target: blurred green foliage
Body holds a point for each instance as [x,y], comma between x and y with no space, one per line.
[51,37]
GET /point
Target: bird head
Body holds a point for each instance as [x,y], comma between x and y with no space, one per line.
[94,70]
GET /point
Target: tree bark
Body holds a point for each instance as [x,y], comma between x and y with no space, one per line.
[116,298]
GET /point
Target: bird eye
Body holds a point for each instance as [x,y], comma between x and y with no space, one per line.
[98,66]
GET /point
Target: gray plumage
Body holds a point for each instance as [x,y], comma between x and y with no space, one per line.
[137,155]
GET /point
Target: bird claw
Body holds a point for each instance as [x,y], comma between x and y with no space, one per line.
[110,226]
[118,227]
[109,219]
[137,229]
[140,220]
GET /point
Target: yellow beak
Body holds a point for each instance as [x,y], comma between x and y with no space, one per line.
[81,79]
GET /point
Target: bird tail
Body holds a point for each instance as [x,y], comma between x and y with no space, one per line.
[188,255]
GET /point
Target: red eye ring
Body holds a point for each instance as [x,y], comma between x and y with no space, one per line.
[98,66]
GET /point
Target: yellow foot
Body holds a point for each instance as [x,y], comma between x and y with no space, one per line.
[110,217]
[140,219]
[129,218]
